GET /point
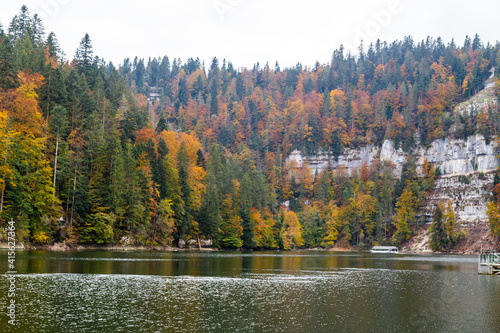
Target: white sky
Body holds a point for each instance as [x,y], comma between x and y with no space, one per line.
[250,31]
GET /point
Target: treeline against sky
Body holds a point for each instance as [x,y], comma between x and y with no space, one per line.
[160,150]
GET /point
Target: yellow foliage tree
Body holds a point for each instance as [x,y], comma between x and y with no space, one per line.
[196,173]
[493,213]
[264,225]
[332,223]
[405,214]
[29,196]
[291,233]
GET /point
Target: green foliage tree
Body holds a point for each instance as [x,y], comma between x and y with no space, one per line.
[184,222]
[438,240]
[8,77]
[84,56]
[231,228]
[116,176]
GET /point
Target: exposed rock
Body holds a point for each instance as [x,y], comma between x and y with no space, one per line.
[398,157]
[459,157]
[350,160]
[477,237]
[59,247]
[469,195]
[452,156]
[467,167]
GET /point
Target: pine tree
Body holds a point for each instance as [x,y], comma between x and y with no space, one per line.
[246,204]
[209,215]
[20,24]
[164,75]
[26,54]
[37,31]
[184,222]
[59,126]
[438,240]
[84,56]
[8,77]
[210,218]
[231,228]
[162,124]
[53,48]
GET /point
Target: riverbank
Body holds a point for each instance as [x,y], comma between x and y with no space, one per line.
[63,247]
[58,247]
[477,237]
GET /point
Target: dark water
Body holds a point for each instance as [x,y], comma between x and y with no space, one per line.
[249,292]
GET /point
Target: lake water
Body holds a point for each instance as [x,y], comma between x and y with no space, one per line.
[249,292]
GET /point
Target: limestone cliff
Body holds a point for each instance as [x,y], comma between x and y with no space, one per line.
[467,166]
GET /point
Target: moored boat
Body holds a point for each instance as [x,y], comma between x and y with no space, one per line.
[384,249]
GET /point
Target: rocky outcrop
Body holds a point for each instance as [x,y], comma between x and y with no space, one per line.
[460,157]
[467,168]
[350,160]
[468,194]
[452,156]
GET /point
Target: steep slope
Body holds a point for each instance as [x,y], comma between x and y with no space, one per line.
[467,167]
[483,100]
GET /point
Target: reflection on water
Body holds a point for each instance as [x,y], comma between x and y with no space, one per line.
[251,292]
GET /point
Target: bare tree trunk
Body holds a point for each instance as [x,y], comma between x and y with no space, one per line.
[4,171]
[73,204]
[48,107]
[199,242]
[55,163]
[103,117]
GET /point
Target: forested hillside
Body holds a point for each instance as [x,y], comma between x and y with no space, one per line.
[158,150]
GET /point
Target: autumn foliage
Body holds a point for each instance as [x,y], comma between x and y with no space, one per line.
[162,152]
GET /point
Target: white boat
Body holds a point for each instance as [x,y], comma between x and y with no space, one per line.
[384,249]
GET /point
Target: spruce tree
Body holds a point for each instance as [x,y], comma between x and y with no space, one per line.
[438,240]
[184,222]
[84,56]
[20,24]
[8,77]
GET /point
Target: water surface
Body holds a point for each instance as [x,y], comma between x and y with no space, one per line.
[250,292]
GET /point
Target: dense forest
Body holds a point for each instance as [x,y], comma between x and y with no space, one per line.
[157,151]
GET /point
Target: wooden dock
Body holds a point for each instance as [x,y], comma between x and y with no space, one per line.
[489,263]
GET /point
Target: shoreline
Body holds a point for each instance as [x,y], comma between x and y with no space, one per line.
[61,247]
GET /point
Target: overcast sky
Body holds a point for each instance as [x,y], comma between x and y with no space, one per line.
[250,31]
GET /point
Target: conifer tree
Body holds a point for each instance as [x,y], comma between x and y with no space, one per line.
[8,77]
[438,240]
[84,56]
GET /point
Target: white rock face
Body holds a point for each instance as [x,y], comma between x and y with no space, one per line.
[398,157]
[459,157]
[473,159]
[469,196]
[453,157]
[351,160]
